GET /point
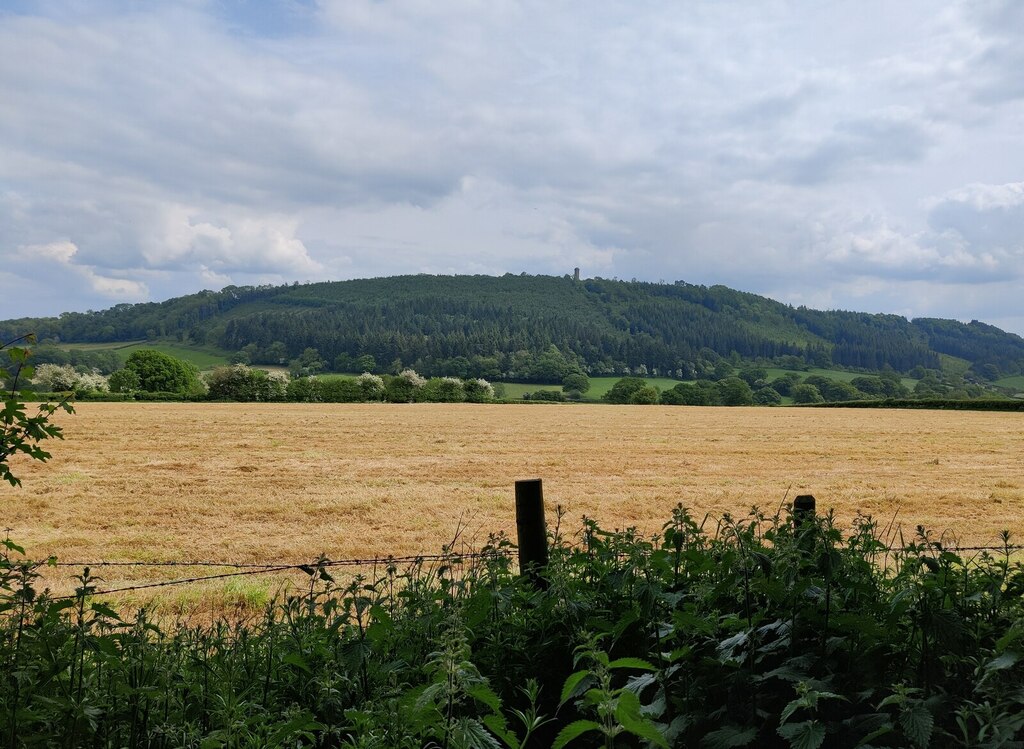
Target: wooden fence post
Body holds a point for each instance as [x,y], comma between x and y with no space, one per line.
[803,510]
[531,530]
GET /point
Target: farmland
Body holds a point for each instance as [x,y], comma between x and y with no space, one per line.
[202,358]
[241,483]
[598,386]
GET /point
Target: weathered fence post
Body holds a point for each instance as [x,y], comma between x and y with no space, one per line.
[803,510]
[531,530]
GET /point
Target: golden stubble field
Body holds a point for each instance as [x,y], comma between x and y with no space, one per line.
[285,482]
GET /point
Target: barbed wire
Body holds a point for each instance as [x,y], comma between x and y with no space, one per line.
[369,561]
[1011,547]
[256,566]
[243,569]
[308,568]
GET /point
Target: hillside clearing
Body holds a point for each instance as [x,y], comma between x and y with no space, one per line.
[202,358]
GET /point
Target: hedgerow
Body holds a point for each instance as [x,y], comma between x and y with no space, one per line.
[745,632]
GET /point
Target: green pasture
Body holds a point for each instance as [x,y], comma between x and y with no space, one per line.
[601,385]
[598,386]
[109,346]
[953,365]
[1013,383]
[833,374]
[202,357]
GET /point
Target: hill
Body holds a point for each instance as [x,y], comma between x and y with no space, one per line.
[530,327]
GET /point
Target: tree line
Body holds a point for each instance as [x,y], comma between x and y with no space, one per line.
[498,327]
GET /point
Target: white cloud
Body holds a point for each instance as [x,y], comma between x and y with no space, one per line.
[179,239]
[63,254]
[60,252]
[793,148]
[984,197]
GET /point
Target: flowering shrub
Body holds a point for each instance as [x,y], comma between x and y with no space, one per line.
[410,376]
[242,383]
[478,391]
[56,378]
[63,378]
[371,386]
[406,387]
[445,390]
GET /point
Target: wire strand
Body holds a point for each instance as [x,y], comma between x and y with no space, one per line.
[254,568]
[309,568]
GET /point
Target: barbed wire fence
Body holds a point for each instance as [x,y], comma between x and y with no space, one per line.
[248,569]
[532,534]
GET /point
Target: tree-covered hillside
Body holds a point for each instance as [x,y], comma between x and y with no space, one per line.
[521,326]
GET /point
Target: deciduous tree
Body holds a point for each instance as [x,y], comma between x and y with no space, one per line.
[20,432]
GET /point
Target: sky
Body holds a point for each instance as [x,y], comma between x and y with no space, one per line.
[841,155]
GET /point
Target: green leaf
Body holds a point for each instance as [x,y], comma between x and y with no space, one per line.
[572,686]
[632,663]
[787,712]
[917,723]
[470,733]
[1002,662]
[104,610]
[729,644]
[380,615]
[294,659]
[729,737]
[496,723]
[810,734]
[483,693]
[574,730]
[302,725]
[627,712]
[875,734]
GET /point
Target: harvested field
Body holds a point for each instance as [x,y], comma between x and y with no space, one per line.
[285,482]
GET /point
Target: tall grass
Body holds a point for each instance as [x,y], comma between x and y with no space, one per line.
[743,632]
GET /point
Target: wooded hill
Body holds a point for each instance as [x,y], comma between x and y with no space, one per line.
[519,326]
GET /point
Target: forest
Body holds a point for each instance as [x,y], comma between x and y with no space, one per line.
[501,328]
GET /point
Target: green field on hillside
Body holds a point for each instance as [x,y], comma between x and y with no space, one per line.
[601,385]
[203,358]
[832,374]
[954,365]
[109,346]
[1016,383]
[598,386]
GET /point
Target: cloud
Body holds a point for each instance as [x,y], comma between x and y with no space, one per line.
[178,239]
[793,148]
[63,255]
[863,144]
[982,197]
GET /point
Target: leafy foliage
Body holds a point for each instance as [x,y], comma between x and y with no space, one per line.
[242,383]
[746,632]
[533,329]
[158,372]
[20,432]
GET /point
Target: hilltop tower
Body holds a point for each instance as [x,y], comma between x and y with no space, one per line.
[575,274]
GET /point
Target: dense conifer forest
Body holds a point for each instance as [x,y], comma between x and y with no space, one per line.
[521,326]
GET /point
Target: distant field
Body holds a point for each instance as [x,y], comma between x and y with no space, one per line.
[601,385]
[269,482]
[203,358]
[1017,382]
[102,346]
[598,386]
[954,365]
[833,374]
